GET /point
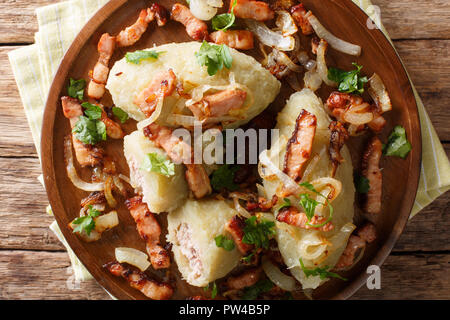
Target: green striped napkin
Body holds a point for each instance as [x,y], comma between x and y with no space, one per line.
[35,65]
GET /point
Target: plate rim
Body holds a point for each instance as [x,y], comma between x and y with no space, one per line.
[49,173]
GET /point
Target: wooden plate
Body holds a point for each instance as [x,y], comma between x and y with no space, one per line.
[344,19]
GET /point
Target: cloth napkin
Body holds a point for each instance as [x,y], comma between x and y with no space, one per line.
[34,67]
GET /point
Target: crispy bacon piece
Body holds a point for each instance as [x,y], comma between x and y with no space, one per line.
[371,170]
[195,28]
[298,12]
[140,281]
[99,75]
[164,82]
[338,137]
[180,152]
[218,104]
[245,279]
[365,234]
[378,123]
[87,155]
[161,14]
[266,205]
[282,4]
[235,226]
[300,145]
[133,33]
[237,39]
[292,216]
[113,129]
[149,230]
[256,10]
[197,298]
[315,42]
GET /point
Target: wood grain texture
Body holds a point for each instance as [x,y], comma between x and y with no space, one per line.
[54,274]
[404,20]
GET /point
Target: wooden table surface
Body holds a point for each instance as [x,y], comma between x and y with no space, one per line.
[34,264]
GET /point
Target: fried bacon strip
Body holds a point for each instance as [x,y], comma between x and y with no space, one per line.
[99,75]
[161,14]
[195,28]
[133,33]
[218,104]
[149,230]
[292,216]
[96,197]
[300,145]
[180,152]
[371,170]
[140,281]
[164,82]
[246,279]
[235,227]
[87,155]
[364,235]
[299,12]
[113,129]
[338,137]
[249,9]
[237,39]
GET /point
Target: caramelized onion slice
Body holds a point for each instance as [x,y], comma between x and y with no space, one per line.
[283,281]
[132,256]
[72,172]
[269,37]
[379,93]
[335,42]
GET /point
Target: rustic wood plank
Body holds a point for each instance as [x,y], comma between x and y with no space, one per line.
[26,273]
[18,21]
[420,19]
[23,220]
[403,19]
[412,277]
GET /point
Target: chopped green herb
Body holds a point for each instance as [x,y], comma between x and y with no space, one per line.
[286,204]
[87,222]
[349,81]
[397,145]
[262,286]
[214,57]
[76,88]
[310,205]
[362,184]
[223,178]
[119,113]
[92,111]
[139,55]
[323,273]
[248,258]
[224,21]
[89,131]
[224,242]
[154,162]
[214,290]
[258,233]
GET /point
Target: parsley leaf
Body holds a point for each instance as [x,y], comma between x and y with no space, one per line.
[224,242]
[323,273]
[154,162]
[397,145]
[286,204]
[213,290]
[214,57]
[92,111]
[87,222]
[89,131]
[310,205]
[224,21]
[350,81]
[223,178]
[76,88]
[248,258]
[262,286]
[258,233]
[139,55]
[119,113]
[362,184]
